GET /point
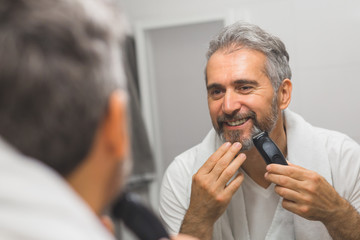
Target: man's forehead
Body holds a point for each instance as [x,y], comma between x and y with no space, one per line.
[237,63]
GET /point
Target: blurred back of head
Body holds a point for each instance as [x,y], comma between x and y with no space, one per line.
[59,62]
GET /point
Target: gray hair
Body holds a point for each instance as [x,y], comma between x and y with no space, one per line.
[59,63]
[250,36]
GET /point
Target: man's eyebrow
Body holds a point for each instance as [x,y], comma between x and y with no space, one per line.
[246,81]
[213,85]
[236,82]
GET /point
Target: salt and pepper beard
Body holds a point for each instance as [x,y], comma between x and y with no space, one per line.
[267,125]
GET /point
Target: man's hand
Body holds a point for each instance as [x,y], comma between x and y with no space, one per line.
[309,195]
[305,192]
[211,190]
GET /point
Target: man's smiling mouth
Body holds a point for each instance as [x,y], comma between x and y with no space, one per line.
[237,122]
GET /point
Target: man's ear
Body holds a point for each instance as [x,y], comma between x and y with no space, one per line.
[115,125]
[284,94]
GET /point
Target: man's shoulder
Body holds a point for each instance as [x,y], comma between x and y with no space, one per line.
[334,136]
[340,147]
[300,125]
[303,135]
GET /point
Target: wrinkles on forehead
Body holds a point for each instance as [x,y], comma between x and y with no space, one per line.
[228,50]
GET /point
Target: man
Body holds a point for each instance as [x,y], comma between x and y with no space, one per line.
[211,191]
[63,135]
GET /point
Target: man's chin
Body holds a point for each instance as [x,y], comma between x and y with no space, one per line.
[246,141]
[247,144]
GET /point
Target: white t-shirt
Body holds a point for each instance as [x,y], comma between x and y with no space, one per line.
[260,205]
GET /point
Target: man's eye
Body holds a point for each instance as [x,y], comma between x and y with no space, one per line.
[215,93]
[245,89]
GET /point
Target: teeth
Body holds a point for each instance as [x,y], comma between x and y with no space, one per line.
[238,122]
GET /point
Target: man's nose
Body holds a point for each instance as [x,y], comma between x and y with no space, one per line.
[231,103]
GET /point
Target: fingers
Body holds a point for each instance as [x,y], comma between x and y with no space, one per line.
[219,160]
[290,206]
[305,192]
[213,159]
[288,193]
[234,185]
[211,186]
[226,159]
[282,180]
[213,178]
[223,182]
[292,170]
[231,169]
[303,210]
[289,180]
